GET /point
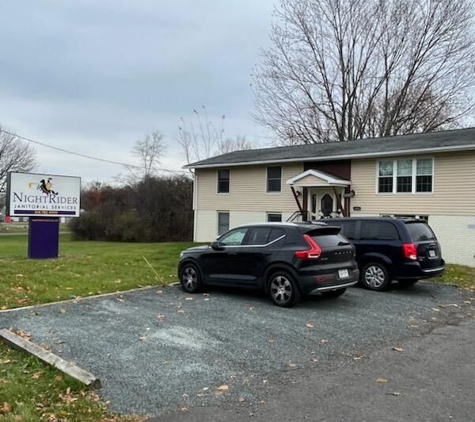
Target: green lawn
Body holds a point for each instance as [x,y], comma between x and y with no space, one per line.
[83,269]
[31,391]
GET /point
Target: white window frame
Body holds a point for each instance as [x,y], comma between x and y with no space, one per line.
[273,192]
[217,182]
[273,213]
[414,176]
[217,221]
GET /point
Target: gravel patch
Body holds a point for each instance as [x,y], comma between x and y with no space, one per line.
[159,349]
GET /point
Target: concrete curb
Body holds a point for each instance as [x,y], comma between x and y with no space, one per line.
[81,299]
[69,368]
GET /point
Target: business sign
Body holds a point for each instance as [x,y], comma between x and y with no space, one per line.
[34,195]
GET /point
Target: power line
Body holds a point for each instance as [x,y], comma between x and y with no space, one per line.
[82,155]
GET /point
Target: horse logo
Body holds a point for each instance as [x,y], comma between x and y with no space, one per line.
[47,187]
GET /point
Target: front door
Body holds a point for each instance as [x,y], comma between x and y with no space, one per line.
[321,202]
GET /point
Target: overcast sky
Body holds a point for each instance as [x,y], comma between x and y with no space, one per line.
[95,76]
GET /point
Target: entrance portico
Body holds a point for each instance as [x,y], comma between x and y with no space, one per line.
[323,195]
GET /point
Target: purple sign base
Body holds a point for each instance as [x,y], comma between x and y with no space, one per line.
[43,237]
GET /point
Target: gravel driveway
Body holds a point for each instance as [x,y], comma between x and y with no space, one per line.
[158,349]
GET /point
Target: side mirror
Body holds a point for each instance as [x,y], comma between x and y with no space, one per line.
[217,246]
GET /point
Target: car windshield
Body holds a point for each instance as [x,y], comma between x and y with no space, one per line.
[420,232]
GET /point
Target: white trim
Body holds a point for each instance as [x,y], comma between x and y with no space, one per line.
[267,180]
[338,157]
[413,176]
[195,206]
[332,181]
[217,182]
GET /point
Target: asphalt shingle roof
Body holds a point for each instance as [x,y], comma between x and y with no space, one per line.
[453,139]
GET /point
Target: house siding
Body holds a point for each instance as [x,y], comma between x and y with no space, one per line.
[247,190]
[453,194]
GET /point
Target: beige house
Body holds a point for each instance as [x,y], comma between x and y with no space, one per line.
[430,176]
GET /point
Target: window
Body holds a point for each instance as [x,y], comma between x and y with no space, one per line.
[260,236]
[223,181]
[348,228]
[378,230]
[274,179]
[405,176]
[223,222]
[385,176]
[424,175]
[274,217]
[234,237]
[420,232]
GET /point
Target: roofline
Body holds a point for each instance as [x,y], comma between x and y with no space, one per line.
[337,157]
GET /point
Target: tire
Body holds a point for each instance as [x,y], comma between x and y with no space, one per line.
[407,283]
[190,278]
[375,276]
[283,289]
[333,294]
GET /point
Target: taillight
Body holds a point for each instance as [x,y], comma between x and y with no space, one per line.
[409,250]
[313,253]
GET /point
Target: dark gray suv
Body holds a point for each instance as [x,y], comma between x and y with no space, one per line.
[286,260]
[389,249]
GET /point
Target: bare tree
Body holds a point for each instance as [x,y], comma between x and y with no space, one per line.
[15,155]
[200,138]
[149,151]
[349,69]
[239,143]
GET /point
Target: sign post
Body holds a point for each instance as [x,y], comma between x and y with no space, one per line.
[44,199]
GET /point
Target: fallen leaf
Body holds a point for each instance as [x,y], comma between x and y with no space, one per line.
[6,408]
[181,311]
[188,298]
[143,338]
[449,305]
[58,377]
[205,388]
[436,309]
[292,365]
[6,361]
[323,341]
[396,393]
[118,281]
[223,388]
[382,380]
[359,357]
[62,310]
[271,340]
[36,375]
[205,294]
[314,360]
[309,325]
[398,349]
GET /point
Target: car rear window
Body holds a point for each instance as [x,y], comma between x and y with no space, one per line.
[420,232]
[329,240]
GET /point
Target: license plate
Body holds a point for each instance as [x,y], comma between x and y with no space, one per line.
[343,274]
[432,253]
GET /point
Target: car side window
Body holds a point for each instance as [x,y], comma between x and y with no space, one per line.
[275,234]
[233,238]
[378,230]
[348,229]
[258,236]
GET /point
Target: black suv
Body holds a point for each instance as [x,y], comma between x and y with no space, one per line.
[286,260]
[389,249]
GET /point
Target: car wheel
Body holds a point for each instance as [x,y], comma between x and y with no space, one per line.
[407,283]
[283,290]
[375,276]
[332,294]
[190,278]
